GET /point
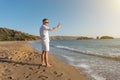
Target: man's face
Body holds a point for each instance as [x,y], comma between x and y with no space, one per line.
[45,22]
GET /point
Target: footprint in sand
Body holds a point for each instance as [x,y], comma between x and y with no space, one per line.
[10,77]
[30,68]
[39,66]
[42,77]
[59,75]
[55,72]
[7,72]
[43,70]
[14,64]
[39,72]
[28,76]
[36,71]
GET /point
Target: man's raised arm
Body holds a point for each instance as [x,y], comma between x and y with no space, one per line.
[55,28]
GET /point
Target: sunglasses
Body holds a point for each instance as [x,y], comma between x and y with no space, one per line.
[46,22]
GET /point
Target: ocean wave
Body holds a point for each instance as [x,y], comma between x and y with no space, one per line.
[86,67]
[115,57]
[77,50]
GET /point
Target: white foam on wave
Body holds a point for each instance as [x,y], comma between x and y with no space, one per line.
[88,52]
[69,58]
[83,66]
[77,50]
[65,47]
[97,77]
[86,68]
[90,72]
[69,48]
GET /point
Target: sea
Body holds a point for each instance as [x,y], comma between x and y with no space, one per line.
[91,57]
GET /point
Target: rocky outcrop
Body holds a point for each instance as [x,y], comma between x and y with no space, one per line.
[106,37]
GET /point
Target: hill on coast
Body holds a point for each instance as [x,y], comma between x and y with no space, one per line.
[70,38]
[13,35]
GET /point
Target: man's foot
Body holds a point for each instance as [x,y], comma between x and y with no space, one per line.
[48,65]
[43,64]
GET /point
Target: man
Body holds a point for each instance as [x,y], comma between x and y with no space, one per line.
[45,41]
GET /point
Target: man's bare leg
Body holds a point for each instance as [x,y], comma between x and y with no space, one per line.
[46,59]
[43,57]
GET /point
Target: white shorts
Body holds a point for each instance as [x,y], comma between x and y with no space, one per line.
[45,45]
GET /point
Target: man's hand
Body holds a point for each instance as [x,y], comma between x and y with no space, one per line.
[58,26]
[55,28]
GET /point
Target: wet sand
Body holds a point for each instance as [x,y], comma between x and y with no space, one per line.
[18,61]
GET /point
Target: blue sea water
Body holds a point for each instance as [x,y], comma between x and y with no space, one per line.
[85,55]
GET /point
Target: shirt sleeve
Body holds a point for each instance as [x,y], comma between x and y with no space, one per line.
[47,28]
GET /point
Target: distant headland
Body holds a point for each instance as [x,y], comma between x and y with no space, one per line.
[78,37]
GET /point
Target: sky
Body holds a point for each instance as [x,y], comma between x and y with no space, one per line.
[77,17]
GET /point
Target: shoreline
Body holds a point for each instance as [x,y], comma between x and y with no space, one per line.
[19,61]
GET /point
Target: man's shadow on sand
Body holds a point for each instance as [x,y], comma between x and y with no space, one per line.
[21,63]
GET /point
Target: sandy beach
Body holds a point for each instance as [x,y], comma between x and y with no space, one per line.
[19,61]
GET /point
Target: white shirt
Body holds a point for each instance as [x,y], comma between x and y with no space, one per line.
[44,32]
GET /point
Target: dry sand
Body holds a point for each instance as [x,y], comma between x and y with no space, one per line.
[18,61]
